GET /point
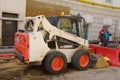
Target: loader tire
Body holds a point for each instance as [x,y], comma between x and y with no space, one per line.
[55,63]
[81,60]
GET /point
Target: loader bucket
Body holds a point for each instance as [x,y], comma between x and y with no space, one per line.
[112,53]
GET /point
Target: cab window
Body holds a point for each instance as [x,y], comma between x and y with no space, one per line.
[67,25]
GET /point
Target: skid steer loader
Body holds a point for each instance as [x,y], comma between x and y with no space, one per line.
[53,43]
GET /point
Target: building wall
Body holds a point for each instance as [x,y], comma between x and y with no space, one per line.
[0,24]
[116,2]
[113,2]
[98,13]
[102,1]
[12,6]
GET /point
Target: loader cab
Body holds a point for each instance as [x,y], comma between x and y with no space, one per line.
[70,23]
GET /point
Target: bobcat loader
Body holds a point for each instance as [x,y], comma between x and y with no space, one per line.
[51,46]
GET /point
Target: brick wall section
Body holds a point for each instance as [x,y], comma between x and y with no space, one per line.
[97,12]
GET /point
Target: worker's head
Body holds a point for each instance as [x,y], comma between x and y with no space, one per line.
[105,27]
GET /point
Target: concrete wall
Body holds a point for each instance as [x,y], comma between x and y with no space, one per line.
[102,1]
[12,6]
[15,6]
[98,13]
[114,2]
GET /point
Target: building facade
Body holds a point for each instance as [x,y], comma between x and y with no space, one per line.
[12,13]
[96,15]
[113,2]
[100,14]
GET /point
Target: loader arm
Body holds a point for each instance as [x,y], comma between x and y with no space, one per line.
[42,22]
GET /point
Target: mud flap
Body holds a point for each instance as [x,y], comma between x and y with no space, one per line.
[19,56]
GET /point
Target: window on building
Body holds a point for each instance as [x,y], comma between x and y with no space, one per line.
[109,1]
[9,15]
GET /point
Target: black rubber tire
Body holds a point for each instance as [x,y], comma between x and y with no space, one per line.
[75,60]
[48,59]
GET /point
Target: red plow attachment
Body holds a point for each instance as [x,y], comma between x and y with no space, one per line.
[112,53]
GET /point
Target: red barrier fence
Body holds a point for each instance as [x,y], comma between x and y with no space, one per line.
[112,53]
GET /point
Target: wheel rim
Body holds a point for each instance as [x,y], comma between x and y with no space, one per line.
[57,63]
[83,60]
